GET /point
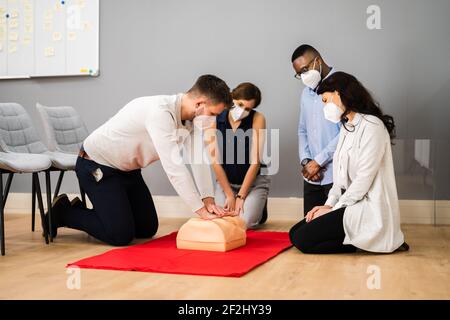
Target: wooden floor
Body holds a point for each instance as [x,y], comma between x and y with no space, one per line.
[32,270]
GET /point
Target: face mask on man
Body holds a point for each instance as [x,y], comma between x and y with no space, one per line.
[332,112]
[201,120]
[312,77]
[239,113]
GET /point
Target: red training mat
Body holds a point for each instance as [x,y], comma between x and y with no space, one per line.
[161,255]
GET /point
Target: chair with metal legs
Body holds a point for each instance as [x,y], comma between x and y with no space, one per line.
[65,132]
[13,163]
[20,136]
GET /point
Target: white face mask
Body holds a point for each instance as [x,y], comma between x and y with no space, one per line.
[204,122]
[312,77]
[239,113]
[332,112]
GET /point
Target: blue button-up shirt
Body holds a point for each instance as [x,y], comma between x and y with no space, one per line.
[317,136]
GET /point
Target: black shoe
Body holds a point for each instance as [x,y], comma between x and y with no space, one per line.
[403,247]
[264,215]
[77,203]
[59,206]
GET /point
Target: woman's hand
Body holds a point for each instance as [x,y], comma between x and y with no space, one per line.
[230,205]
[239,208]
[317,212]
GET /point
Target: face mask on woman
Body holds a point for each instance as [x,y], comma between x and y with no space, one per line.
[332,112]
[239,113]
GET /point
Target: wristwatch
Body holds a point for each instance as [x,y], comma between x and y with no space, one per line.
[240,197]
[305,162]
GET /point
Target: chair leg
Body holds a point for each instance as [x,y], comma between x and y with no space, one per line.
[4,197]
[33,204]
[83,196]
[2,218]
[49,202]
[58,184]
[7,187]
[41,206]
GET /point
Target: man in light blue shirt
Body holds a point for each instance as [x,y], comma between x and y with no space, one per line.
[318,137]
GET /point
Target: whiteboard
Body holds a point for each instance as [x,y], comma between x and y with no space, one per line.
[44,38]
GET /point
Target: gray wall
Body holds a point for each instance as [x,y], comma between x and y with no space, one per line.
[162,46]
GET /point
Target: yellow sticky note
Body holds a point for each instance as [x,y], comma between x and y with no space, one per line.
[13,36]
[29,28]
[28,19]
[57,36]
[26,39]
[48,26]
[13,23]
[86,25]
[12,48]
[58,7]
[49,52]
[14,14]
[72,36]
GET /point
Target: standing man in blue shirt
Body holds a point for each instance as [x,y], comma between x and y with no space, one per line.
[318,137]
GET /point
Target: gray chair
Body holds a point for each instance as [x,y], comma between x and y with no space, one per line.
[20,152]
[64,129]
[19,136]
[65,133]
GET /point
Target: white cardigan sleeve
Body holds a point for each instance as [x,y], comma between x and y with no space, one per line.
[372,148]
[335,192]
[333,195]
[161,128]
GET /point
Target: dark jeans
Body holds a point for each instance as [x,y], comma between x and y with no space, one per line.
[314,195]
[324,234]
[123,207]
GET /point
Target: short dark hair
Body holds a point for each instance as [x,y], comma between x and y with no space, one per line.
[214,89]
[247,91]
[300,51]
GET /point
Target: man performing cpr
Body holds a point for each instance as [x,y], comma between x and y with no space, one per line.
[144,131]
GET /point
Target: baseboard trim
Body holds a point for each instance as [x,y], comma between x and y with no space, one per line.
[412,211]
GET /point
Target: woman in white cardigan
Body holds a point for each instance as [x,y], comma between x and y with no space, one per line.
[362,209]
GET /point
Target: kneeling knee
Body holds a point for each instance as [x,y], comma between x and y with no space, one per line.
[299,242]
[122,239]
[147,233]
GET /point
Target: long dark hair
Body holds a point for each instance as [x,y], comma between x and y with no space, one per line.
[356,98]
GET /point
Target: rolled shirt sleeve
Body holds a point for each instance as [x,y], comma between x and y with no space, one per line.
[201,169]
[162,130]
